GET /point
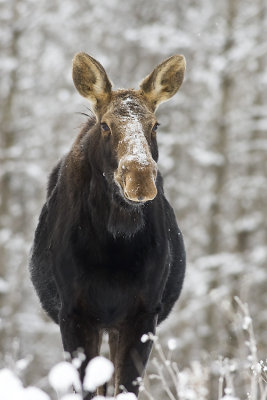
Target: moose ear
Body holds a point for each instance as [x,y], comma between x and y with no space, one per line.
[164,81]
[91,80]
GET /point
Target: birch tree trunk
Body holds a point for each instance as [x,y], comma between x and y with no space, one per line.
[222,136]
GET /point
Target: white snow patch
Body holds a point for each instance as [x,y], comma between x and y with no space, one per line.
[126,396]
[207,158]
[246,323]
[248,223]
[11,388]
[121,396]
[63,376]
[4,286]
[33,393]
[172,344]
[71,396]
[144,338]
[10,385]
[77,361]
[98,371]
[23,363]
[134,137]
[149,336]
[5,235]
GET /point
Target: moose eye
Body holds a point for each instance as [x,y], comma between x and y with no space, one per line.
[155,127]
[104,127]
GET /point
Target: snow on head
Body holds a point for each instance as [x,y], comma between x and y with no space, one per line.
[98,371]
[134,138]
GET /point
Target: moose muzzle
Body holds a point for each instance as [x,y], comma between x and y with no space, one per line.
[137,181]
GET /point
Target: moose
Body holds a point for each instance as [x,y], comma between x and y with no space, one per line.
[108,255]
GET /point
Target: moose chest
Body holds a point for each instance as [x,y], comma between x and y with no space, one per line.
[115,279]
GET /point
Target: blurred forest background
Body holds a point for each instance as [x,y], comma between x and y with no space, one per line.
[213,155]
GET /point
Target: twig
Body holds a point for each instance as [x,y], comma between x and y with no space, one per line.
[168,367]
[165,385]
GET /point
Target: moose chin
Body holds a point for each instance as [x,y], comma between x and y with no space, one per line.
[108,254]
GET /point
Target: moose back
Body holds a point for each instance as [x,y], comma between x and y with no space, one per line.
[108,254]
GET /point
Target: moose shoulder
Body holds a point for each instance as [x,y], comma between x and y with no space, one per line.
[108,254]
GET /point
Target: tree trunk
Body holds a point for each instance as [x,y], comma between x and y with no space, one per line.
[222,137]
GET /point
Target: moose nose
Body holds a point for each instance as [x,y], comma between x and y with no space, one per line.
[137,180]
[139,187]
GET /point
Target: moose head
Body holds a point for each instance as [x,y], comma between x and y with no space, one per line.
[127,120]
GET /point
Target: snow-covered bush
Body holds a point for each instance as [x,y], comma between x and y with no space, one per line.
[11,388]
[191,383]
[98,371]
[63,378]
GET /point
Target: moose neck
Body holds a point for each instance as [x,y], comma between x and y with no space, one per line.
[125,220]
[110,212]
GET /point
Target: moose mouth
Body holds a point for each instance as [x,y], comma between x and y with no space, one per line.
[137,203]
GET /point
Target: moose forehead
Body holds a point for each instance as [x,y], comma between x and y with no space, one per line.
[128,116]
[127,106]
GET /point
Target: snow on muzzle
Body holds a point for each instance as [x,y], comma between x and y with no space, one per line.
[137,180]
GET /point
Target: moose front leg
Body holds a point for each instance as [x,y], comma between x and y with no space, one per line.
[78,334]
[133,354]
[113,347]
